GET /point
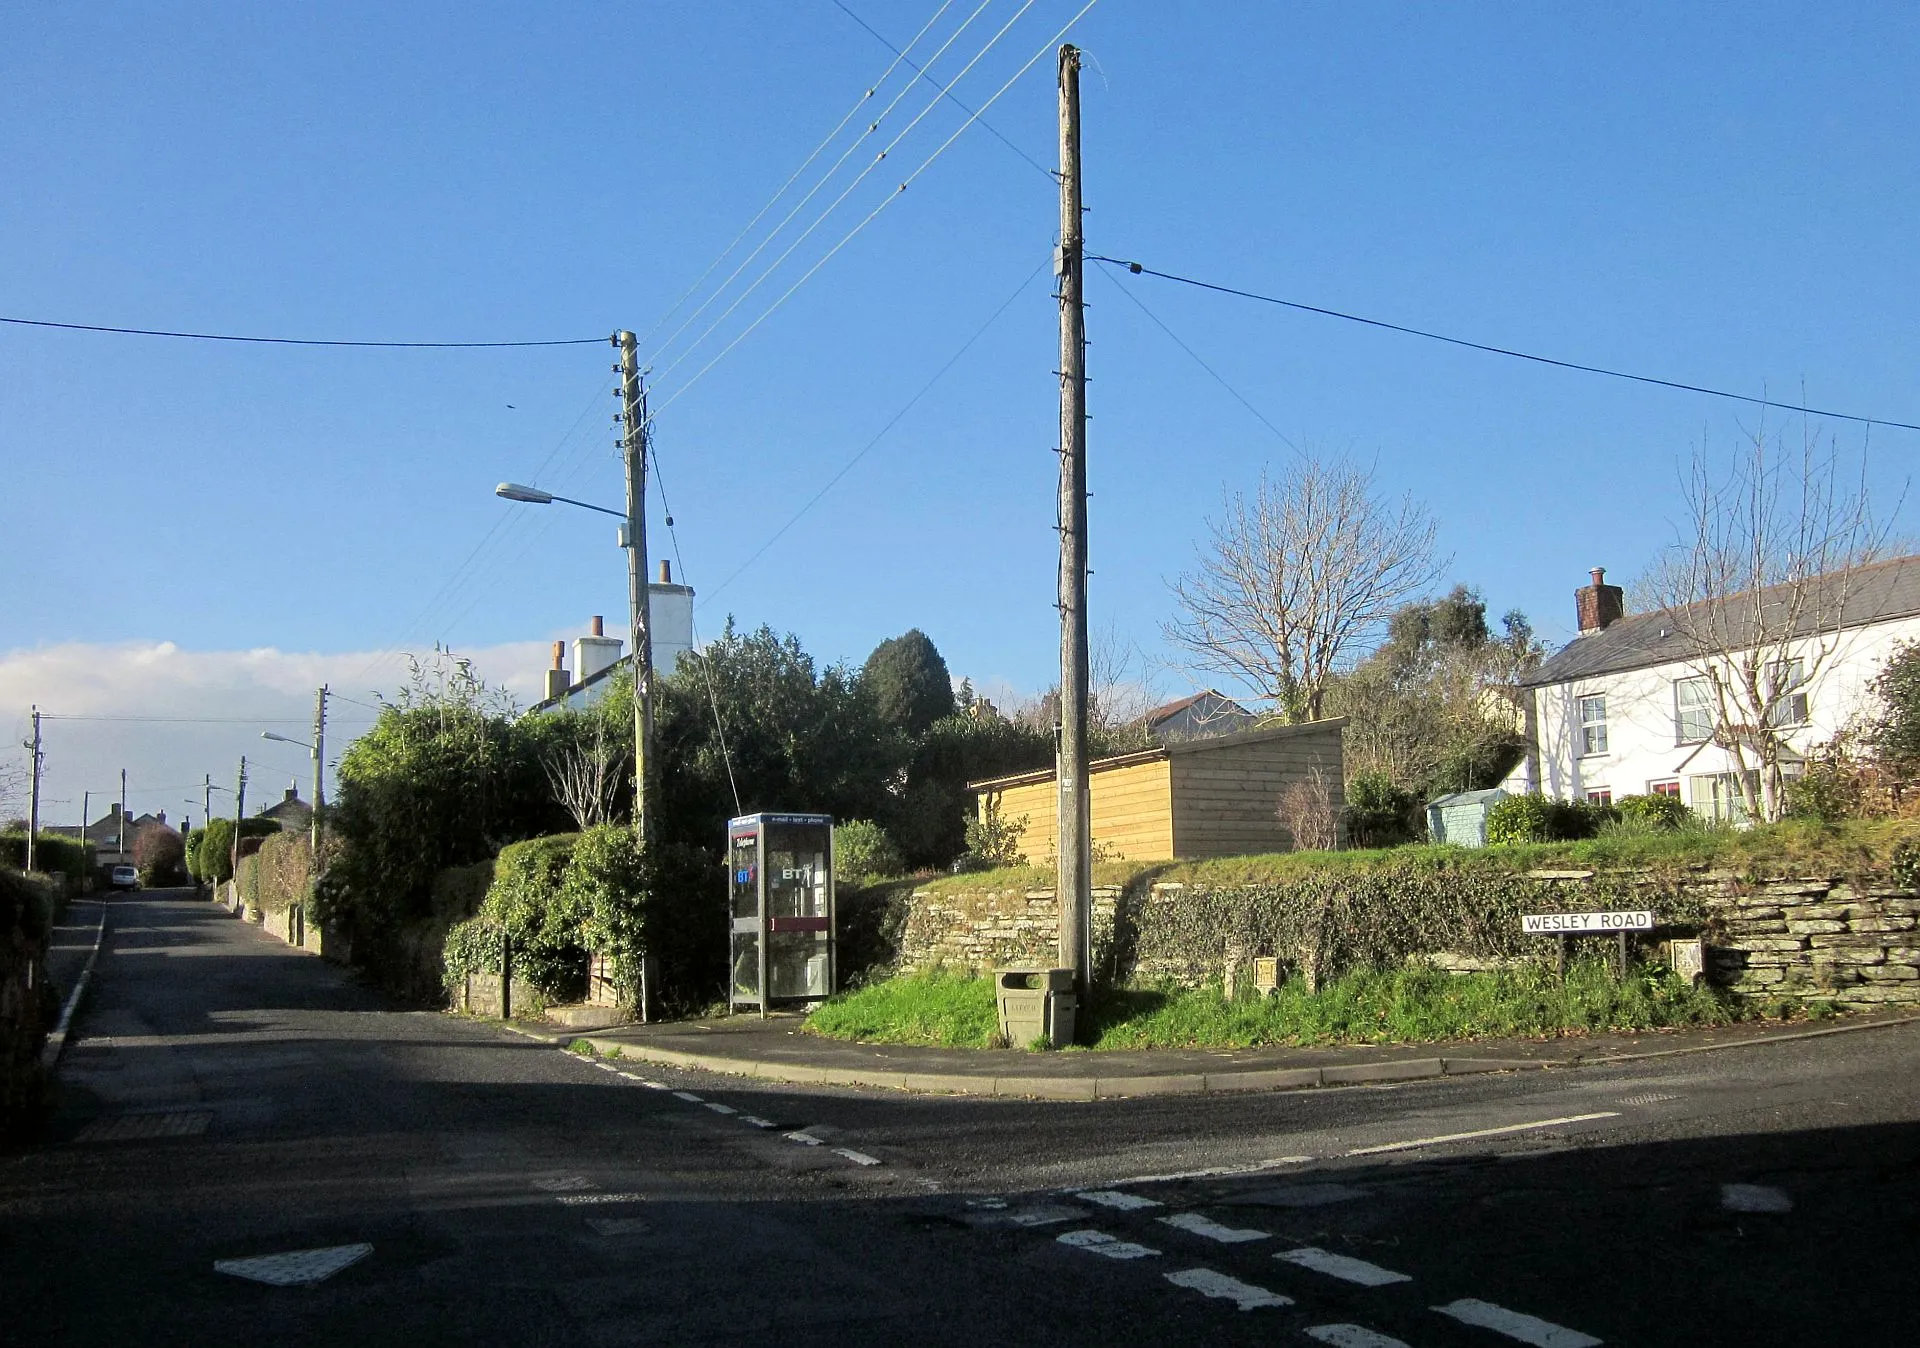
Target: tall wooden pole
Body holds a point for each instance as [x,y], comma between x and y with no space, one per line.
[239,813]
[319,768]
[33,794]
[1075,840]
[633,404]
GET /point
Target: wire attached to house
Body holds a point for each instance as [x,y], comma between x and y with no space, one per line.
[1139,269]
[291,341]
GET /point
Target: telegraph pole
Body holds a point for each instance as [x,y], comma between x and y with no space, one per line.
[120,844]
[86,799]
[239,813]
[633,405]
[1074,847]
[33,791]
[319,768]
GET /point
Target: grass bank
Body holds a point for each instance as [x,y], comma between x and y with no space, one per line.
[1412,1005]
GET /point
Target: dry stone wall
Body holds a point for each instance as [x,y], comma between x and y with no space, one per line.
[995,928]
[1852,942]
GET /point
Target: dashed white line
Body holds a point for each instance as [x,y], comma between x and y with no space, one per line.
[857,1157]
[1754,1198]
[593,1200]
[689,1097]
[756,1121]
[804,1138]
[1213,1172]
[606,1067]
[1341,1266]
[1198,1225]
[1352,1336]
[1482,1132]
[635,1076]
[1244,1295]
[719,1108]
[1113,1198]
[1526,1329]
[564,1184]
[1109,1247]
[652,1085]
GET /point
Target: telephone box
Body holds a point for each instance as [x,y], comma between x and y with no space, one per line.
[780,886]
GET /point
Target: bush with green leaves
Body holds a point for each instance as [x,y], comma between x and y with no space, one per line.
[1380,814]
[209,850]
[160,856]
[52,854]
[862,852]
[993,839]
[1658,811]
[1534,818]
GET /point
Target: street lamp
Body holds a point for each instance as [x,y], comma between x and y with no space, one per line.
[314,750]
[514,491]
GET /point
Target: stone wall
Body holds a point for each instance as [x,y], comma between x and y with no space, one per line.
[996,928]
[1849,941]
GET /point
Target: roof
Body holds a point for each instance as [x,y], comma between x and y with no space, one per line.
[1880,592]
[1490,794]
[1205,746]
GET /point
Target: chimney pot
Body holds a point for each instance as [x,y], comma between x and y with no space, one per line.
[1599,574]
[1599,605]
[594,626]
[666,572]
[559,654]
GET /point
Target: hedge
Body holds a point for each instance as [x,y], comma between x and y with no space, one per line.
[53,854]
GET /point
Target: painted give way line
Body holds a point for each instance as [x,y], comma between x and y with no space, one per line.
[1482,1132]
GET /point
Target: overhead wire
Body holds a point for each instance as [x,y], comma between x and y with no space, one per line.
[850,188]
[1139,269]
[885,202]
[881,434]
[290,341]
[794,177]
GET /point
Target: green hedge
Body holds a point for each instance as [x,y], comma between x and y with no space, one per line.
[53,854]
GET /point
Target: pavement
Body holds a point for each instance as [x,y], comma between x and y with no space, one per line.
[778,1048]
[72,951]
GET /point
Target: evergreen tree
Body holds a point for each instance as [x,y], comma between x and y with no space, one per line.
[908,683]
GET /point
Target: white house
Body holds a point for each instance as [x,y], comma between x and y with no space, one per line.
[1628,707]
[596,656]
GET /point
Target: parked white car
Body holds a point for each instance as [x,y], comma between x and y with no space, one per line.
[124,877]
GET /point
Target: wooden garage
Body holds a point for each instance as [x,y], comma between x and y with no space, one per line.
[1203,798]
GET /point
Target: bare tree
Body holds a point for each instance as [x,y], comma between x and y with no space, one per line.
[13,786]
[586,770]
[1307,813]
[1296,581]
[1757,586]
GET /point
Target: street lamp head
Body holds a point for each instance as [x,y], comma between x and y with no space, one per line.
[284,739]
[513,491]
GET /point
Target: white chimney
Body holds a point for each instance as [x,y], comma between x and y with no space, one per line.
[594,652]
[669,620]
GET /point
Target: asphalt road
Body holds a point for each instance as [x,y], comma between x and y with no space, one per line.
[225,1098]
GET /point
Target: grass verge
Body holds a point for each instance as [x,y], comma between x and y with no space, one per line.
[1412,1005]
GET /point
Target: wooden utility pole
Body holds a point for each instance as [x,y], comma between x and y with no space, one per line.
[239,813]
[319,768]
[120,843]
[633,405]
[1075,838]
[33,791]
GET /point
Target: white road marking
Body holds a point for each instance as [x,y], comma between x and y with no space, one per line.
[565,1184]
[1205,1226]
[296,1268]
[1754,1198]
[1482,1132]
[1100,1243]
[635,1076]
[756,1121]
[689,1097]
[1352,1336]
[857,1157]
[719,1108]
[1244,1295]
[1341,1266]
[1213,1171]
[617,1226]
[804,1138]
[1044,1215]
[655,1085]
[986,1202]
[1113,1198]
[592,1200]
[1521,1328]
[606,1067]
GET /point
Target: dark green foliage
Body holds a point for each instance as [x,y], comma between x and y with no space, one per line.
[1380,814]
[160,856]
[1668,812]
[444,778]
[862,851]
[1537,819]
[209,851]
[908,682]
[933,812]
[26,918]
[52,854]
[1894,736]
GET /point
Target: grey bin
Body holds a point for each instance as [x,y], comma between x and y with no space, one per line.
[1035,1004]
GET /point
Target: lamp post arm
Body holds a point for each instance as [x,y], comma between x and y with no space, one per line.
[585,505]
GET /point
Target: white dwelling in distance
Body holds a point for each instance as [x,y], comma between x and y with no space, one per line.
[596,655]
[1627,707]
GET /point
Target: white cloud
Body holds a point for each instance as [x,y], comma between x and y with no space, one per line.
[196,712]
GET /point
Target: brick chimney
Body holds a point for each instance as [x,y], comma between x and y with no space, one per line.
[557,679]
[1599,605]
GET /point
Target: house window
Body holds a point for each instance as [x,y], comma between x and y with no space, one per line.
[1693,711]
[1786,695]
[1663,788]
[1717,796]
[1593,725]
[1600,795]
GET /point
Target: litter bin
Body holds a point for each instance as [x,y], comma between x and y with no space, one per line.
[1036,1004]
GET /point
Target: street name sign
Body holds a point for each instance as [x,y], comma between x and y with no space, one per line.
[1586,924]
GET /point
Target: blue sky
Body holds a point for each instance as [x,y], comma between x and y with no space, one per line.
[1714,195]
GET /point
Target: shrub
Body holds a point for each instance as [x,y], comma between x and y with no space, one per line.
[527,904]
[1380,814]
[1534,818]
[862,852]
[52,854]
[993,840]
[1661,812]
[1307,813]
[160,856]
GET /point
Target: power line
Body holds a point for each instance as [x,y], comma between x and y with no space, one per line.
[286,341]
[187,720]
[951,98]
[881,434]
[1138,270]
